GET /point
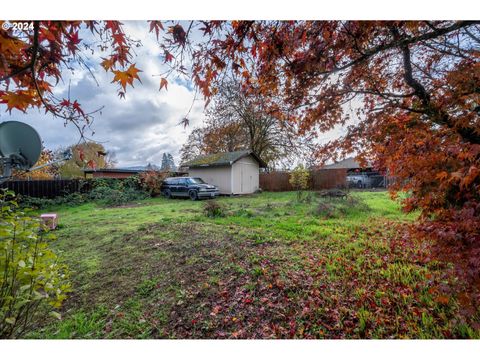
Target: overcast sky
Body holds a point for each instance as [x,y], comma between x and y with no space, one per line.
[140,128]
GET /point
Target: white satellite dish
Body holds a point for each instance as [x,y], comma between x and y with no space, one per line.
[20,146]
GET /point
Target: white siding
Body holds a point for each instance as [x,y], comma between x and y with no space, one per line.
[240,178]
[218,176]
[245,176]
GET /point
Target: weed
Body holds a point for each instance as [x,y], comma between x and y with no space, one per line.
[257,272]
[146,287]
[363,320]
[259,239]
[213,209]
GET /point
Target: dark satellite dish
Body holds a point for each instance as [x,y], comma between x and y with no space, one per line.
[20,146]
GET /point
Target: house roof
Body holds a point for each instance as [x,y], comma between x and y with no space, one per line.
[348,163]
[142,167]
[222,159]
[112,170]
[128,169]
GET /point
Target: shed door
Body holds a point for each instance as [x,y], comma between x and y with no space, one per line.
[242,180]
[246,183]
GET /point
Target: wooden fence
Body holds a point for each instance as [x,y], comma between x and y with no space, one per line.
[319,179]
[272,181]
[45,188]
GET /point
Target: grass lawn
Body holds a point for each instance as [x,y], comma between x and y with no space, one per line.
[270,268]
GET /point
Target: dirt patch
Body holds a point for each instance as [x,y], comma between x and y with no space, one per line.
[179,256]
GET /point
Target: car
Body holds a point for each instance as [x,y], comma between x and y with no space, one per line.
[192,187]
[358,181]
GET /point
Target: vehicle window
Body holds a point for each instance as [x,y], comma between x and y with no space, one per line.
[195,181]
[181,182]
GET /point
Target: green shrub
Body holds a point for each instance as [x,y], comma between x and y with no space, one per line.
[108,196]
[107,192]
[213,209]
[35,203]
[114,192]
[299,179]
[32,280]
[75,198]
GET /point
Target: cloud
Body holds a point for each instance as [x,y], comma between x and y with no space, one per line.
[139,128]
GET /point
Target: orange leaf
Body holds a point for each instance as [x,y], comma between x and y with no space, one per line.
[20,100]
[473,173]
[442,299]
[163,83]
[91,164]
[123,77]
[442,175]
[133,72]
[107,64]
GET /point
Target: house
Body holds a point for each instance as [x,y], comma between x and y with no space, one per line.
[122,173]
[234,172]
[110,173]
[358,176]
[350,164]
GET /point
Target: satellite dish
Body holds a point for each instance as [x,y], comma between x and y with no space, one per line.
[20,146]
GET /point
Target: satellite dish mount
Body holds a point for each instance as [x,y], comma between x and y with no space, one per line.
[20,147]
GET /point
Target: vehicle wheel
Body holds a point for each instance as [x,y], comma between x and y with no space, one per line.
[168,194]
[193,195]
[359,184]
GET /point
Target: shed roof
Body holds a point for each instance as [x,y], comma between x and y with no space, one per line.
[222,159]
[348,163]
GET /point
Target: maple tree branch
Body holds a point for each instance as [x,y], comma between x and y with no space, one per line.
[477,39]
[436,115]
[411,81]
[28,66]
[401,42]
[16,72]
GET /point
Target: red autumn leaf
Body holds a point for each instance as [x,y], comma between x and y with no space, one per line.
[168,57]
[81,154]
[119,39]
[113,26]
[77,107]
[156,26]
[179,34]
[73,41]
[65,102]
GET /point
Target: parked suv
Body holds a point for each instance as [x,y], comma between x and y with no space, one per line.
[359,181]
[192,187]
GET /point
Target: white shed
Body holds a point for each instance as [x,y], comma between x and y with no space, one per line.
[234,172]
